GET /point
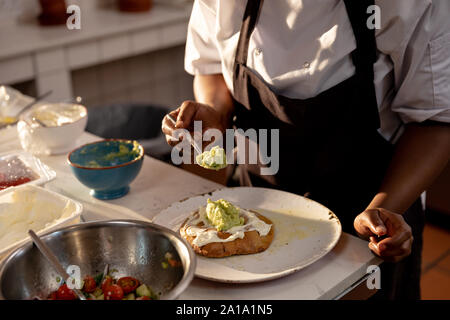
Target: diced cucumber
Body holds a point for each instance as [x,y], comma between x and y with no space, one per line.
[143,290]
[130,296]
[97,292]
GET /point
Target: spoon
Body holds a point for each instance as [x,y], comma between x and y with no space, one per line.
[48,254]
[105,272]
[191,141]
[74,100]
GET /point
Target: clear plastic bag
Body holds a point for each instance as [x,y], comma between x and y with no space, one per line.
[29,141]
[11,103]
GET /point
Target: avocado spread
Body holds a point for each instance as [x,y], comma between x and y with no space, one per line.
[125,153]
[223,215]
[214,159]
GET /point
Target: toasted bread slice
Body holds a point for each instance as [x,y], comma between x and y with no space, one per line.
[252,242]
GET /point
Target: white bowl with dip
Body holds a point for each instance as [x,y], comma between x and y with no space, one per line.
[52,128]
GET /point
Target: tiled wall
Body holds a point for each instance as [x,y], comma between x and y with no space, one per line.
[154,78]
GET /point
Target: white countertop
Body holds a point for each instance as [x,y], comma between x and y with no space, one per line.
[159,184]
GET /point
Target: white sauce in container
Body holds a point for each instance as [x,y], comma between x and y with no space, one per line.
[58,114]
[208,234]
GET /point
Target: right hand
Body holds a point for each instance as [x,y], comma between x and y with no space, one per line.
[397,235]
[186,114]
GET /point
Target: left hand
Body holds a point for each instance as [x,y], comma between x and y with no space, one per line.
[376,223]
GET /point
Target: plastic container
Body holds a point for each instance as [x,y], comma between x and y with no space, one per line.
[70,211]
[16,165]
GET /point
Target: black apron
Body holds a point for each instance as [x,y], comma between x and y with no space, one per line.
[329,147]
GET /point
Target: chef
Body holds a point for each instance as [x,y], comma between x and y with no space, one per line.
[363,114]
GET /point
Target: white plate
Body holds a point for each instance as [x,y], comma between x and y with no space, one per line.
[305,231]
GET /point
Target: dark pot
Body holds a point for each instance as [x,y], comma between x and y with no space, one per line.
[53,12]
[135,5]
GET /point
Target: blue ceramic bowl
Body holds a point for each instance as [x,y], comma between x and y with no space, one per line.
[107,167]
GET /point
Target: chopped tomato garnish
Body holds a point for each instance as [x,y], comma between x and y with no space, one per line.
[174,263]
[89,284]
[113,292]
[53,296]
[128,284]
[106,283]
[64,293]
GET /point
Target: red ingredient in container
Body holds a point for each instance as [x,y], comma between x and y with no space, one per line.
[13,183]
[13,172]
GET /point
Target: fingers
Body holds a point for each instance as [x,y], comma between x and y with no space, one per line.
[369,223]
[397,239]
[168,128]
[186,114]
[394,254]
[398,244]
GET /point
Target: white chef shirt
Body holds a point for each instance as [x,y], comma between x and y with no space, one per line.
[302,47]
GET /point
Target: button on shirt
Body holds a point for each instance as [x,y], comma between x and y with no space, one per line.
[301,48]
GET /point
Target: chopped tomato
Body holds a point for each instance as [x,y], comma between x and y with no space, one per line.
[89,284]
[128,284]
[107,288]
[106,283]
[174,263]
[64,293]
[113,292]
[53,296]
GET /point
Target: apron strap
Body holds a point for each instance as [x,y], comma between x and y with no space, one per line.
[363,57]
[365,54]
[251,16]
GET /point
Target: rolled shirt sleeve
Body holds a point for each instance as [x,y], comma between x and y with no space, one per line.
[422,63]
[202,54]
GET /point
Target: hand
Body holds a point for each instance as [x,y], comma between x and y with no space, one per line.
[397,236]
[186,114]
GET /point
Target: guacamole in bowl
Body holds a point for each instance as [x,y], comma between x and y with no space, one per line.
[107,167]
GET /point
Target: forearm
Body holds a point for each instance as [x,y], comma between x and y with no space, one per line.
[212,90]
[420,155]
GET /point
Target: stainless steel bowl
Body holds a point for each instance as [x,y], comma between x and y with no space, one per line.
[133,248]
